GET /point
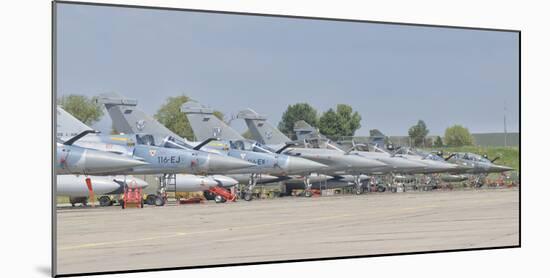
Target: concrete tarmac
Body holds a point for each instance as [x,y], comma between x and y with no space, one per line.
[107,239]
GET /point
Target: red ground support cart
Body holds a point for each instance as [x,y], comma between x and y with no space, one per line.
[222,195]
[133,196]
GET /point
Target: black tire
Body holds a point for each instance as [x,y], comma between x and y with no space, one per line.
[380,188]
[208,195]
[159,202]
[122,204]
[219,199]
[105,201]
[248,196]
[307,193]
[150,200]
[141,205]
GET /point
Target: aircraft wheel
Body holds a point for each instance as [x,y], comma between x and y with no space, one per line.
[159,202]
[208,195]
[219,199]
[307,193]
[380,188]
[358,191]
[150,200]
[248,196]
[105,201]
[394,189]
[141,205]
[122,204]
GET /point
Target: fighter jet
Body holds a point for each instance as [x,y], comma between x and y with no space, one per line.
[127,118]
[316,144]
[204,124]
[395,164]
[478,164]
[157,159]
[72,161]
[202,117]
[154,159]
[434,164]
[78,160]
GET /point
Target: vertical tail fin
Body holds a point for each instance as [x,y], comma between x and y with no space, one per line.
[305,131]
[68,125]
[127,118]
[261,130]
[377,138]
[205,124]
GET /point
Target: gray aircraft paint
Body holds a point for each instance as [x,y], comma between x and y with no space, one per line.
[72,126]
[477,163]
[263,131]
[205,124]
[78,160]
[159,159]
[128,118]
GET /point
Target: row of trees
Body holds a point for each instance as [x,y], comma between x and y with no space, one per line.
[455,136]
[171,116]
[334,123]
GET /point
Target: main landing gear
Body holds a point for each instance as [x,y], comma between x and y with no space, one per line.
[358,185]
[250,188]
[307,187]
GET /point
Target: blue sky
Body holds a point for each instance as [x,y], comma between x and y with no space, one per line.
[392,75]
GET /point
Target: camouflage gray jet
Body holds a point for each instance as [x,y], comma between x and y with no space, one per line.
[153,159]
[316,144]
[478,164]
[157,159]
[434,164]
[127,118]
[72,159]
[203,119]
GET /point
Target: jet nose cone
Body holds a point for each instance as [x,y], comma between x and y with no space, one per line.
[298,164]
[102,161]
[500,168]
[220,163]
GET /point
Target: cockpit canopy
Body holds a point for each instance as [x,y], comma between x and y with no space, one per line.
[249,145]
[472,157]
[145,139]
[174,143]
[405,151]
[423,154]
